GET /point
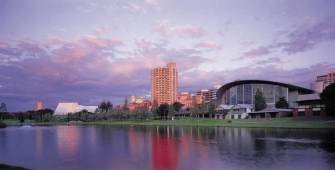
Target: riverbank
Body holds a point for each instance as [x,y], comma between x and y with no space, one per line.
[287,122]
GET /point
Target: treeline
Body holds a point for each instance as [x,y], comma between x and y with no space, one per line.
[139,114]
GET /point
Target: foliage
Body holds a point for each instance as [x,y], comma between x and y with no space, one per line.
[194,110]
[141,114]
[125,104]
[163,109]
[260,102]
[154,107]
[9,167]
[104,106]
[177,106]
[203,106]
[211,107]
[282,103]
[171,110]
[2,124]
[3,109]
[328,96]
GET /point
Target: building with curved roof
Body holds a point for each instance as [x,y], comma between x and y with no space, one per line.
[243,91]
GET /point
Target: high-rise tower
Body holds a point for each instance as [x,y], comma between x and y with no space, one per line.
[164,84]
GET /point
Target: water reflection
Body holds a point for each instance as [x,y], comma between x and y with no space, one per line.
[166,147]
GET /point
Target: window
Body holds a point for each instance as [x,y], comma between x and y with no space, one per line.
[232,116]
[239,116]
[273,115]
[253,116]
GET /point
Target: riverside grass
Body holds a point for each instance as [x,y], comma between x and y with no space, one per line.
[287,122]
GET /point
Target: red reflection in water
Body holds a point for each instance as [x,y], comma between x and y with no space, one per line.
[164,152]
[67,140]
[39,142]
[136,142]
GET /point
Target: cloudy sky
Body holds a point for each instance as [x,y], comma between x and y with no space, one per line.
[89,51]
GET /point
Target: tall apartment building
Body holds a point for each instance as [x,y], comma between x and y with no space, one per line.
[38,106]
[321,82]
[164,84]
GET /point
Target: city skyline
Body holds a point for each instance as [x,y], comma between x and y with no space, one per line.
[87,52]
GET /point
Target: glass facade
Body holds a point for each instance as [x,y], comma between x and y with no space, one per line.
[244,94]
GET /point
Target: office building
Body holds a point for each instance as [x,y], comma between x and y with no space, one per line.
[321,82]
[164,84]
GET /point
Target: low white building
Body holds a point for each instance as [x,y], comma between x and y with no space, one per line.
[239,111]
[72,107]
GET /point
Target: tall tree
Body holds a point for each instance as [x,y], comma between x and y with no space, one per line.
[171,110]
[260,102]
[3,109]
[154,107]
[328,96]
[194,110]
[163,109]
[211,108]
[282,103]
[177,106]
[203,107]
[125,105]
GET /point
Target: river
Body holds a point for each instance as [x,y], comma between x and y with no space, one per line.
[166,147]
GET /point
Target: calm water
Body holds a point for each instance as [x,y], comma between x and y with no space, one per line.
[161,147]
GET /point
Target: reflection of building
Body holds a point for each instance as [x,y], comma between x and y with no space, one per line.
[38,106]
[321,82]
[164,84]
[65,108]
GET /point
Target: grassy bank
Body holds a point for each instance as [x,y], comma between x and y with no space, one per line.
[313,122]
[9,167]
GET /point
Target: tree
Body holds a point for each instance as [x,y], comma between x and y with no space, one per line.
[177,106]
[328,96]
[125,105]
[154,107]
[171,110]
[260,102]
[104,107]
[3,109]
[211,108]
[282,103]
[163,109]
[203,107]
[194,110]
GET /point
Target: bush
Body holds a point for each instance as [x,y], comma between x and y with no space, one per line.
[2,124]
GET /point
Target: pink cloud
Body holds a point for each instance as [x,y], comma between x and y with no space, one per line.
[209,45]
[257,52]
[102,30]
[185,30]
[152,3]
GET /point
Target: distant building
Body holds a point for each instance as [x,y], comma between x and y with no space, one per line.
[38,106]
[134,99]
[118,106]
[186,99]
[321,82]
[144,104]
[72,107]
[209,94]
[164,84]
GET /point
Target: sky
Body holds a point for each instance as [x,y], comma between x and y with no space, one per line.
[90,51]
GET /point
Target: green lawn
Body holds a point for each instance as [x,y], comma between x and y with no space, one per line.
[274,123]
[286,122]
[10,122]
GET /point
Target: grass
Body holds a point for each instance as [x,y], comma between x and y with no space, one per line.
[311,123]
[10,122]
[9,167]
[285,122]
